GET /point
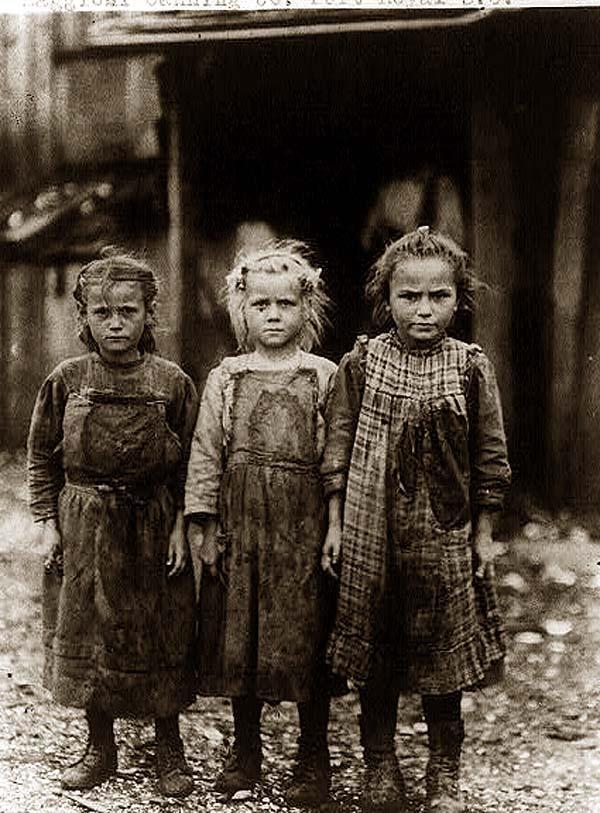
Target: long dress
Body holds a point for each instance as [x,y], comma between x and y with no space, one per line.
[108,448]
[416,441]
[255,460]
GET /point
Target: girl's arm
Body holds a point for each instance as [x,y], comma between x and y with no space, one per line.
[183,422]
[205,466]
[343,408]
[490,470]
[45,475]
[341,418]
[205,470]
[185,409]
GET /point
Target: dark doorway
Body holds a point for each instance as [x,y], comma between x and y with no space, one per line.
[304,133]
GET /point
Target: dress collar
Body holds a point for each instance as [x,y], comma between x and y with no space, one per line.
[127,365]
[427,350]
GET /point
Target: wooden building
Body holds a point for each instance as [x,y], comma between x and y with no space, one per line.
[294,123]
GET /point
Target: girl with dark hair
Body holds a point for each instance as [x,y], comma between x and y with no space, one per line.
[107,454]
[415,467]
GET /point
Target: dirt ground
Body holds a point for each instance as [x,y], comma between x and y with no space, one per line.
[533,743]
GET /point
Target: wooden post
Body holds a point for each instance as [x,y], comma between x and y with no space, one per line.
[25,289]
[493,225]
[568,292]
[179,203]
[191,285]
[4,355]
[586,448]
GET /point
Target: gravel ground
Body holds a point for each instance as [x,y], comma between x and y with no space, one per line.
[533,743]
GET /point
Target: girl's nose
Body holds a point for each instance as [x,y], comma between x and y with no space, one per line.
[273,311]
[424,308]
[115,322]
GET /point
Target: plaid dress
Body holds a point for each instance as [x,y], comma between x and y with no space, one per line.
[416,439]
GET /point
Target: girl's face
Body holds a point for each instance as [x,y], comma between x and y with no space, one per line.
[423,299]
[116,318]
[274,312]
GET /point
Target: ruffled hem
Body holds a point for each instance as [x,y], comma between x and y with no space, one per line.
[350,656]
[479,662]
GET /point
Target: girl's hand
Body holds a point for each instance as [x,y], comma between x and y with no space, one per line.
[52,542]
[331,550]
[195,536]
[178,553]
[483,545]
[209,552]
[485,552]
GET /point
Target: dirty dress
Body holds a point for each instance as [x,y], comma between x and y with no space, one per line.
[255,463]
[416,442]
[107,454]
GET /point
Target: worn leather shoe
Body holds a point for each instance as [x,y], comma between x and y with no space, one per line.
[97,764]
[242,768]
[174,774]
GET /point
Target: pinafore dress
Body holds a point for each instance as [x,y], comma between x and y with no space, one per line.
[121,633]
[264,633]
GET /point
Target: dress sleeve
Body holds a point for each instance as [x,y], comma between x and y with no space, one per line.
[341,416]
[490,470]
[45,474]
[182,423]
[205,466]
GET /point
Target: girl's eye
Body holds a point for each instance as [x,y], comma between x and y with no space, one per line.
[101,313]
[439,295]
[409,296]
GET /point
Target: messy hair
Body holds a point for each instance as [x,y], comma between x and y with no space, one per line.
[423,242]
[279,257]
[114,265]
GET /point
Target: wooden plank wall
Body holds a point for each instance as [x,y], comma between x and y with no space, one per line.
[28,147]
[79,112]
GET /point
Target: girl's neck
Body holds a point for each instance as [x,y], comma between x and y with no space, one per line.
[276,356]
[122,360]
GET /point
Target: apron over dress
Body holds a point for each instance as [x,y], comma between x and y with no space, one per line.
[264,634]
[120,636]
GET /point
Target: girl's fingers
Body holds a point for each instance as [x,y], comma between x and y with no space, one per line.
[483,567]
[327,564]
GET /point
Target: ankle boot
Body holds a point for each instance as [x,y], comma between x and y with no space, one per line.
[174,774]
[100,758]
[443,769]
[312,771]
[383,790]
[242,767]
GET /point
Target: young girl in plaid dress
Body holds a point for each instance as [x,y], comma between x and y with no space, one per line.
[255,499]
[415,467]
